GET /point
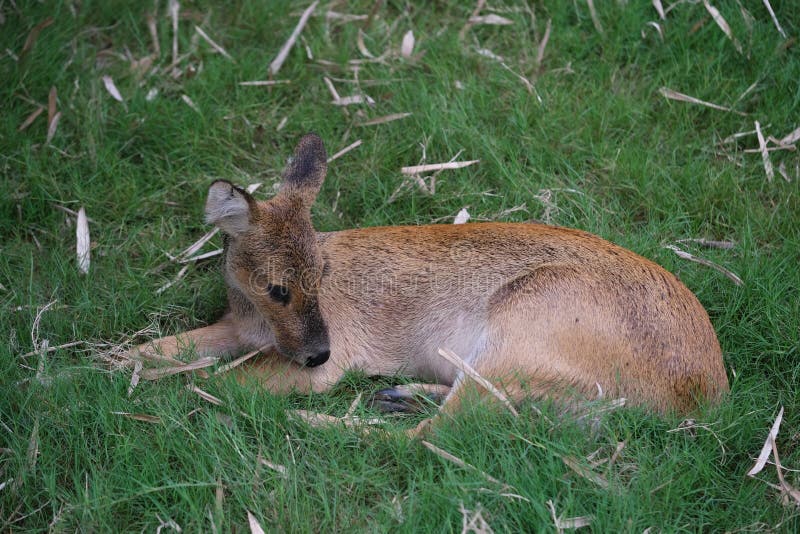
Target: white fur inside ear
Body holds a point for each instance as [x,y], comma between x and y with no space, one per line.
[227,208]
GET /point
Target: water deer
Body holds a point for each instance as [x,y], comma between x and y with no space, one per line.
[538,310]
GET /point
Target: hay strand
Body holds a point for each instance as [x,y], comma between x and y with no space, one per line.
[690,257]
[675,95]
[384,119]
[213,43]
[276,64]
[762,147]
[774,19]
[84,245]
[467,369]
[761,461]
[416,169]
[161,372]
[345,150]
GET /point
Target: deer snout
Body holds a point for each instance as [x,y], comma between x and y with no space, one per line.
[320,358]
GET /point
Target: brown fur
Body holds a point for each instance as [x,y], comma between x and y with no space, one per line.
[541,310]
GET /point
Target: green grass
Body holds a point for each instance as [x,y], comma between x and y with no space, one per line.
[614,156]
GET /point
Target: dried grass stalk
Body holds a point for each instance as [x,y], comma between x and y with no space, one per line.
[30,40]
[52,349]
[738,135]
[675,95]
[331,88]
[276,64]
[278,468]
[239,361]
[543,43]
[386,118]
[658,29]
[173,8]
[353,406]
[205,395]
[353,100]
[263,83]
[345,150]
[52,127]
[491,20]
[585,472]
[33,445]
[161,372]
[153,28]
[687,256]
[461,217]
[782,171]
[528,85]
[595,18]
[197,245]
[154,419]
[467,369]
[767,448]
[189,102]
[84,245]
[723,24]
[363,47]
[659,9]
[108,82]
[174,281]
[461,463]
[29,120]
[416,169]
[473,522]
[762,147]
[135,376]
[407,46]
[791,138]
[255,527]
[475,12]
[774,18]
[344,17]
[709,243]
[786,488]
[569,523]
[203,256]
[213,44]
[746,92]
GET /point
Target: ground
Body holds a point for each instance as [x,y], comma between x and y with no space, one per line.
[582,114]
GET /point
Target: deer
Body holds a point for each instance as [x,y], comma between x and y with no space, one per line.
[540,311]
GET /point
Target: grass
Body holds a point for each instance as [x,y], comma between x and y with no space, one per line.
[602,151]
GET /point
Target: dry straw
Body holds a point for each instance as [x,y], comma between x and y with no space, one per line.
[467,369]
[276,64]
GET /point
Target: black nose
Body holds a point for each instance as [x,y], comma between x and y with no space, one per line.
[319,359]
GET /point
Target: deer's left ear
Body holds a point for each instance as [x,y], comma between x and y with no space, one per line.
[306,172]
[228,207]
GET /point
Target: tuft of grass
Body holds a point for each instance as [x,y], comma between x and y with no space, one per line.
[602,151]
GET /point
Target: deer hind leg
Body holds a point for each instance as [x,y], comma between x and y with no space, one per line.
[216,340]
[530,351]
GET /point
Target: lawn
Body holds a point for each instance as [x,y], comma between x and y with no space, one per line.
[577,119]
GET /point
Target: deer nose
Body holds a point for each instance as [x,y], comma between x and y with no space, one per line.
[319,359]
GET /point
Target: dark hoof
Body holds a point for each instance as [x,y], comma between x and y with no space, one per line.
[400,400]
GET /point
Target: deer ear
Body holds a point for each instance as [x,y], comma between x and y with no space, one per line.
[307,170]
[228,207]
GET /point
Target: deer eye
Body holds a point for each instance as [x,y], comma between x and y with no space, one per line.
[279,293]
